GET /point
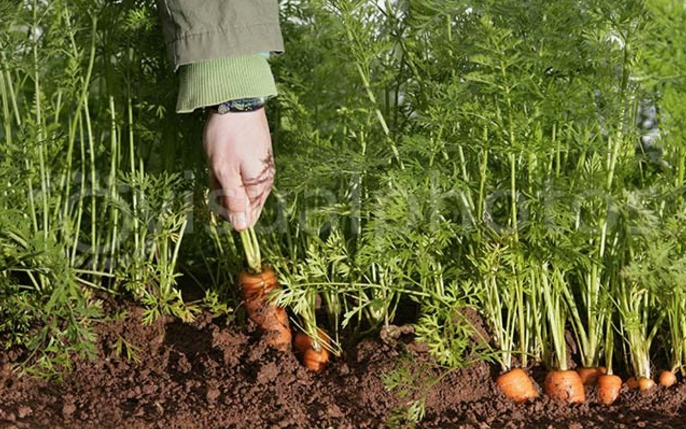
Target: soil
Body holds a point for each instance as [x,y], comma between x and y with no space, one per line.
[217,374]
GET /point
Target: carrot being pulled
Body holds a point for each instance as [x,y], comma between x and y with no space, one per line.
[256,283]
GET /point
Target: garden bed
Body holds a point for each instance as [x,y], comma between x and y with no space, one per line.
[211,374]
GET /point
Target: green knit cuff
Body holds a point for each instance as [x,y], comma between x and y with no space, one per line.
[209,83]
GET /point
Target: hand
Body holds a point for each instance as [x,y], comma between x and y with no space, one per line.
[241,165]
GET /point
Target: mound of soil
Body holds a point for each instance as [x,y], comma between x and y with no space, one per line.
[211,374]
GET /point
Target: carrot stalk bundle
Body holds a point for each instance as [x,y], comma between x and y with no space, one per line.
[609,385]
[561,383]
[517,385]
[640,317]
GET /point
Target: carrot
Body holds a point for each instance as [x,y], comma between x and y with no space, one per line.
[667,378]
[609,386]
[271,319]
[276,328]
[302,342]
[565,385]
[517,385]
[257,285]
[641,383]
[645,383]
[314,359]
[632,383]
[589,376]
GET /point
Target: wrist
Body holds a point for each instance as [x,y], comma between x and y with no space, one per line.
[239,105]
[212,83]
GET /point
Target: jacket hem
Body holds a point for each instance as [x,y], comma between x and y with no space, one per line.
[204,46]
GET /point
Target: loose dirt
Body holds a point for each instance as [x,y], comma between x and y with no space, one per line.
[212,374]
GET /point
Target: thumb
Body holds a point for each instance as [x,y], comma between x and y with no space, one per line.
[235,201]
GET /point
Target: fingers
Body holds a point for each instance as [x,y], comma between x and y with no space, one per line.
[241,166]
[258,179]
[230,200]
[236,202]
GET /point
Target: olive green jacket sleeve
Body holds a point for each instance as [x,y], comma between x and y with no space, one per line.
[201,30]
[218,48]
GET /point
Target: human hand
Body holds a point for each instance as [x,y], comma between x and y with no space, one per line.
[241,165]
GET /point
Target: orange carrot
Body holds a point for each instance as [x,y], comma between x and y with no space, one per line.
[257,285]
[589,376]
[271,319]
[277,330]
[313,359]
[565,386]
[517,385]
[667,378]
[608,388]
[302,342]
[632,383]
[645,383]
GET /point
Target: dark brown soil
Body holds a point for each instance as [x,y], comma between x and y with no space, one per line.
[209,375]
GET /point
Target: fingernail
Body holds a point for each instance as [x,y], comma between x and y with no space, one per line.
[239,221]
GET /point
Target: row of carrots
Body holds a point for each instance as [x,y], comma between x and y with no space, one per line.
[568,386]
[259,281]
[563,385]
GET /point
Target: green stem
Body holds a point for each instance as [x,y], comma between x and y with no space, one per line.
[556,320]
[251,248]
[82,180]
[93,184]
[609,346]
[112,183]
[39,123]
[483,171]
[75,121]
[520,314]
[581,332]
[132,161]
[369,91]
[681,169]
[7,119]
[513,192]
